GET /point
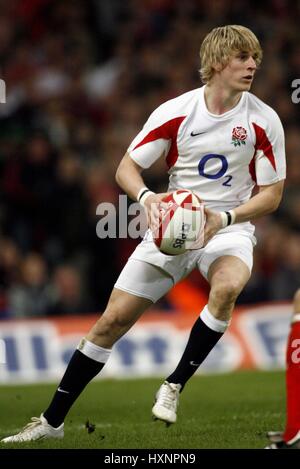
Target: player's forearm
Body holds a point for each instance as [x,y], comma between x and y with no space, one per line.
[261,204]
[128,177]
[266,201]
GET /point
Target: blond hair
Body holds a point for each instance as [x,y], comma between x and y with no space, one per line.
[221,43]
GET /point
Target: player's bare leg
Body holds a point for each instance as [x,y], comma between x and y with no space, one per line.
[227,276]
[122,312]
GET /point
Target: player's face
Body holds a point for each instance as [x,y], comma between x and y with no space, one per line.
[239,72]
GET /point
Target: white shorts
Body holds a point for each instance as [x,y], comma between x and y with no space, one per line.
[151,274]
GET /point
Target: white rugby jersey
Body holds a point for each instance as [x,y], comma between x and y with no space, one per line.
[221,157]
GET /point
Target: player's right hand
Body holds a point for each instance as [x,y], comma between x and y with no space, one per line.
[154,208]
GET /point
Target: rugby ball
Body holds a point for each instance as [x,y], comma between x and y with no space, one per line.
[182,222]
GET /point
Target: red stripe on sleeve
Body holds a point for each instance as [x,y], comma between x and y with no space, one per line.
[167,131]
[264,144]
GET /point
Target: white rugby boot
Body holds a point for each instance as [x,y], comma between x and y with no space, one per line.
[166,403]
[37,429]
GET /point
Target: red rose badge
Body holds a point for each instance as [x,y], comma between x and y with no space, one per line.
[239,135]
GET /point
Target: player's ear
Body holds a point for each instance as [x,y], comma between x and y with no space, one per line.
[218,67]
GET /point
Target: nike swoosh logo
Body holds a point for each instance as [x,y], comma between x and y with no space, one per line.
[194,364]
[62,390]
[194,134]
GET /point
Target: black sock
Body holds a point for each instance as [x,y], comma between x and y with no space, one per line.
[201,341]
[80,371]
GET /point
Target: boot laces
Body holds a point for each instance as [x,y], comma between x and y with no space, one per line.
[169,395]
[35,421]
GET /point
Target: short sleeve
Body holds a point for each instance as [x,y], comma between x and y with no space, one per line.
[270,160]
[157,138]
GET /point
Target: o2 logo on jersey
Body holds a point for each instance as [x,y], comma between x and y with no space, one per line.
[219,173]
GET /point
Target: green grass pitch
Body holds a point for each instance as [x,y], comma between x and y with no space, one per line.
[216,411]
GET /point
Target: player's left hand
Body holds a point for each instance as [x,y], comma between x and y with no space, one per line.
[213,224]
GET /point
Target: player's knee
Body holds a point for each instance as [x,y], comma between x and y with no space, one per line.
[226,293]
[111,322]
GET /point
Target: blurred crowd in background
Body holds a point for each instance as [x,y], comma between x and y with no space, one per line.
[82,77]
